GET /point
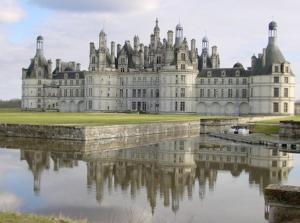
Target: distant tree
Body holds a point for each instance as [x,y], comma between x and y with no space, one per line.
[13,103]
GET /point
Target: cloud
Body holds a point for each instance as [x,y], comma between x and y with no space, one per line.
[10,12]
[109,6]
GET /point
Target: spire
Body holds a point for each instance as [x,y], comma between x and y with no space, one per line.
[156,28]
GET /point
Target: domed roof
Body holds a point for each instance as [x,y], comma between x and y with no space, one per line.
[205,39]
[238,65]
[272,25]
[40,38]
[179,26]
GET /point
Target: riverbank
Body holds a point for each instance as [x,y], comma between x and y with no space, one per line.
[28,218]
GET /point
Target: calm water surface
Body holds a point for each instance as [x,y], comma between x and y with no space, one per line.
[191,179]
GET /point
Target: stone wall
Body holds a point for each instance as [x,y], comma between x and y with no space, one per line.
[216,125]
[289,129]
[82,133]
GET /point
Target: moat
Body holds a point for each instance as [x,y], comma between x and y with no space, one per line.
[187,179]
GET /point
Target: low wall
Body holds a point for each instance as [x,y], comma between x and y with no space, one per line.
[83,133]
[282,204]
[289,129]
[208,126]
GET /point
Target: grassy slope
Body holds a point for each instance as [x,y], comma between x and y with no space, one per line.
[24,218]
[50,118]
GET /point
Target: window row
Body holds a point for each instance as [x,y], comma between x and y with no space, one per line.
[229,93]
[228,81]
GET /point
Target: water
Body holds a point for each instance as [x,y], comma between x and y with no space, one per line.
[195,179]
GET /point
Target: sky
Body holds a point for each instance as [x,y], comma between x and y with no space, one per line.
[238,27]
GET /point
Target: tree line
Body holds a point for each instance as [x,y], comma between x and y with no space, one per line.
[13,103]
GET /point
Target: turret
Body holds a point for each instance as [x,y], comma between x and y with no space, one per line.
[156,34]
[142,56]
[205,46]
[193,45]
[179,35]
[102,40]
[58,65]
[50,69]
[78,67]
[112,52]
[118,49]
[170,38]
[136,43]
[40,46]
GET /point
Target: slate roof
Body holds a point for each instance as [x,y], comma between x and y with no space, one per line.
[230,72]
[71,75]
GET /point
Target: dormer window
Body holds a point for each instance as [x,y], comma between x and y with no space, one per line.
[223,73]
[287,70]
[209,73]
[77,76]
[237,73]
[65,76]
[183,56]
[276,68]
[122,60]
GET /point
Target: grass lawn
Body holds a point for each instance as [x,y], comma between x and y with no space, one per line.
[24,218]
[10,116]
[272,126]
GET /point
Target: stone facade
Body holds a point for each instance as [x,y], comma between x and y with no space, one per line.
[166,76]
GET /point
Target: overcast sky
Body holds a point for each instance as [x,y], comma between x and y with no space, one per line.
[237,27]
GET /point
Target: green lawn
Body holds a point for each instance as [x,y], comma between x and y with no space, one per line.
[25,218]
[54,118]
[272,126]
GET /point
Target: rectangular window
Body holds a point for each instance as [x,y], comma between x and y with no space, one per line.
[176,105]
[222,93]
[71,92]
[208,93]
[201,93]
[215,93]
[126,93]
[286,107]
[275,107]
[229,93]
[244,93]
[90,105]
[121,93]
[134,93]
[215,81]
[90,92]
[182,106]
[276,80]
[133,105]
[182,79]
[230,81]
[276,92]
[201,81]
[144,93]
[276,69]
[151,93]
[244,81]
[144,106]
[182,66]
[157,93]
[139,93]
[286,92]
[286,80]
[182,92]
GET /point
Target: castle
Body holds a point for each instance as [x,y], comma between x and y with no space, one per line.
[166,76]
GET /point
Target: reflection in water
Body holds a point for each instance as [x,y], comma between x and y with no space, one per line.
[168,169]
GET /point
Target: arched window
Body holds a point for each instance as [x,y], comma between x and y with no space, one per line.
[183,56]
